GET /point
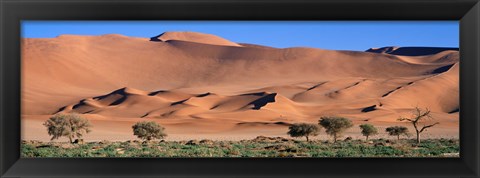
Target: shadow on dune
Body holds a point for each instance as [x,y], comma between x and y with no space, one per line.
[156,92]
[454,111]
[442,69]
[178,102]
[410,51]
[254,94]
[60,110]
[398,88]
[259,103]
[370,108]
[203,95]
[120,91]
[263,123]
[156,38]
[81,103]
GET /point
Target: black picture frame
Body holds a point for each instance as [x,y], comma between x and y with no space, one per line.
[14,11]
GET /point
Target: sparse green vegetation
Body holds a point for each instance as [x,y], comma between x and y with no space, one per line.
[74,126]
[368,130]
[397,131]
[303,130]
[148,130]
[335,126]
[258,147]
[67,125]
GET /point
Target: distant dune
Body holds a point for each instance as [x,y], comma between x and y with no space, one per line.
[203,86]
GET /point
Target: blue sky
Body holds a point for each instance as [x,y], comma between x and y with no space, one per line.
[340,35]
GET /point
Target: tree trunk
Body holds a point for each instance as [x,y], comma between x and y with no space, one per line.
[398,137]
[366,138]
[416,131]
[70,138]
[418,137]
[334,138]
[307,138]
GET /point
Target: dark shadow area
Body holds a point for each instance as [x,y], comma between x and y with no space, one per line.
[145,115]
[254,94]
[411,51]
[454,111]
[264,123]
[178,102]
[61,109]
[203,95]
[120,91]
[156,38]
[369,109]
[259,103]
[442,69]
[119,101]
[315,86]
[156,92]
[216,106]
[81,103]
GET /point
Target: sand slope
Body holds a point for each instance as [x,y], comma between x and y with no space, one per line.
[221,89]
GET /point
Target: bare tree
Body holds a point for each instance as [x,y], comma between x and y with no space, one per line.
[420,117]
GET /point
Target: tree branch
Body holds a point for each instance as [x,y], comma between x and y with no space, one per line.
[405,119]
[428,126]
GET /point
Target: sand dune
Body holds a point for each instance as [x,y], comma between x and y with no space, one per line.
[444,99]
[201,85]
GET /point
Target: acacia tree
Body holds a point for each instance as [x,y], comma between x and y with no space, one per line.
[420,117]
[67,125]
[397,131]
[303,130]
[148,130]
[368,130]
[335,126]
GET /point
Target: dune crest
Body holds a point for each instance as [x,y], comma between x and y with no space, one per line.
[193,37]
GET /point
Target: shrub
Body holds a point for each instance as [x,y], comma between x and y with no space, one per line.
[397,131]
[303,130]
[335,126]
[67,125]
[368,130]
[148,130]
[420,116]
